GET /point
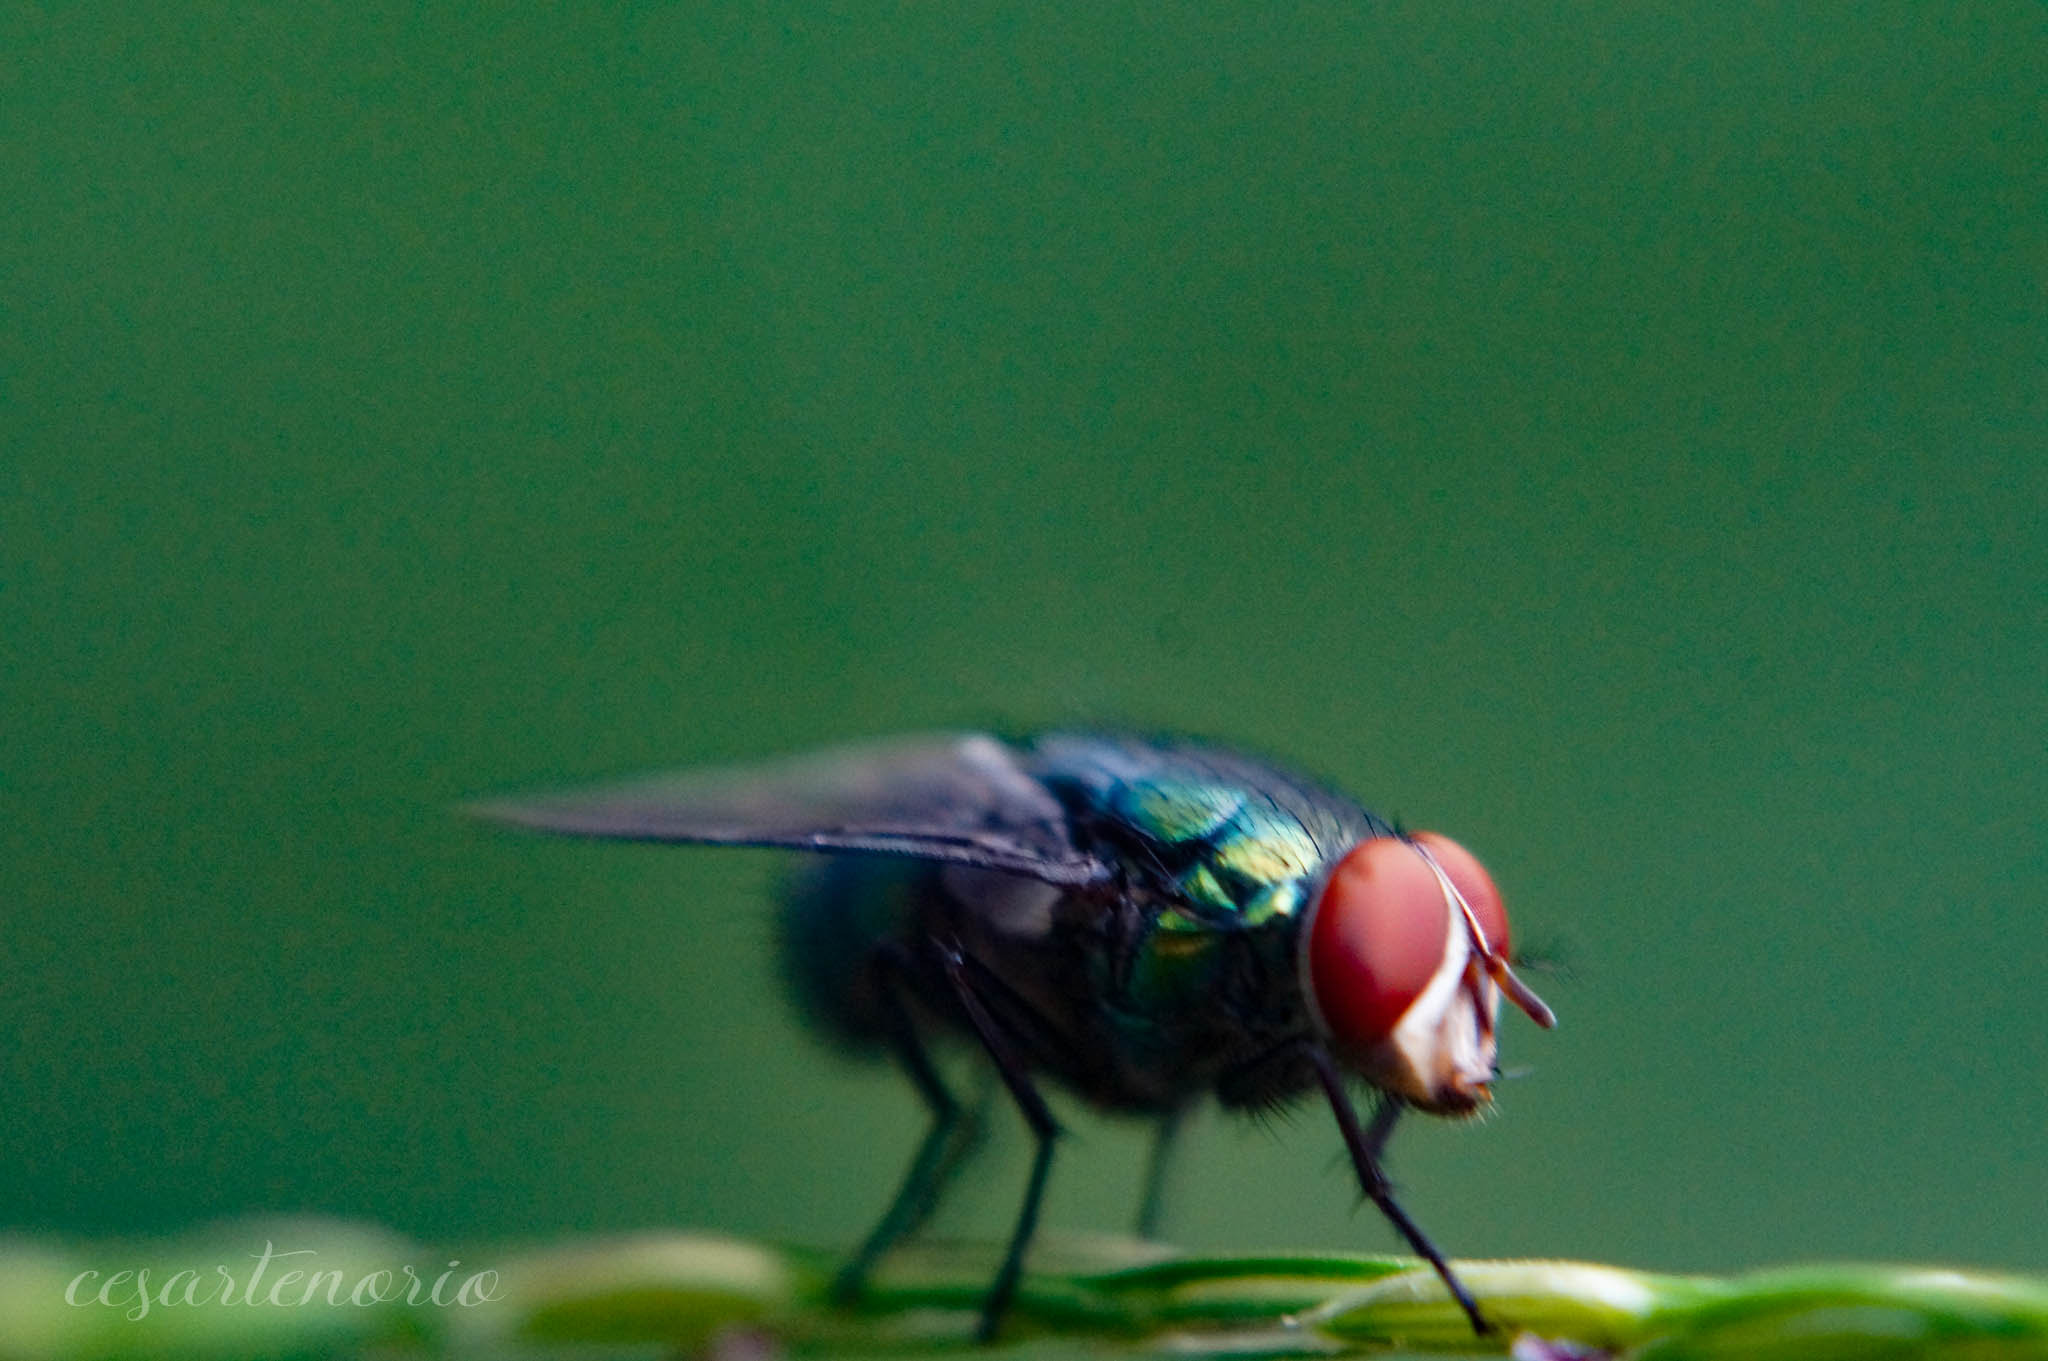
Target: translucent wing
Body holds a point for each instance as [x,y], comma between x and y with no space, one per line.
[958,798]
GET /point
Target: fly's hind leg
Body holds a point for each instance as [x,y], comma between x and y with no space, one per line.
[942,1150]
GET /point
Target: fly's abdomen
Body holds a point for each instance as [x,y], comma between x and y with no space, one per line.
[836,913]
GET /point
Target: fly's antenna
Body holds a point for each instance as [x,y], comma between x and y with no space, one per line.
[1495,963]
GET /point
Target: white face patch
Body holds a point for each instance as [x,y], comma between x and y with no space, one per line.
[1440,1055]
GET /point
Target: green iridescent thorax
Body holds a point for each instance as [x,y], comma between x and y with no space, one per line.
[1237,862]
[1241,871]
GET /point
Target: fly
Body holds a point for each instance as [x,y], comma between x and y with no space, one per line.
[1147,924]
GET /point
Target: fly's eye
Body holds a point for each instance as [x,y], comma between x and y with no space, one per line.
[1472,881]
[1379,937]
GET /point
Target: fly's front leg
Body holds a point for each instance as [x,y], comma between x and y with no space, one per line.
[1381,1127]
[937,1155]
[1365,1146]
[1044,1129]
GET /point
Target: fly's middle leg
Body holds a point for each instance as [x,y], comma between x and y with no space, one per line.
[1044,1130]
[1158,1168]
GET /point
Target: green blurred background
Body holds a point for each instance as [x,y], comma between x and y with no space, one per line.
[1611,434]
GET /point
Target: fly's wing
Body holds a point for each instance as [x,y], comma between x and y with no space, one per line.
[958,798]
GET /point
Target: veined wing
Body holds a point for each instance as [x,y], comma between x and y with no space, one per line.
[956,798]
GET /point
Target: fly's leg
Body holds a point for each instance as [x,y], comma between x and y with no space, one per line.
[1365,1146]
[1044,1129]
[1381,1127]
[938,1156]
[1165,1140]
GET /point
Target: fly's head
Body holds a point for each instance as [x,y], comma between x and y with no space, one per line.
[1404,960]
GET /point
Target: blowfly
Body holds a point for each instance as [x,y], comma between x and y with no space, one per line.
[1146,924]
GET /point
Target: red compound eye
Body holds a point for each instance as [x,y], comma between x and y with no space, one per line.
[1472,880]
[1379,936]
